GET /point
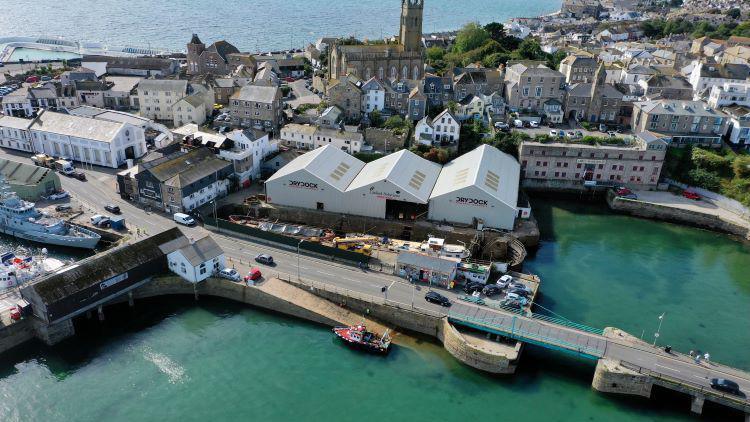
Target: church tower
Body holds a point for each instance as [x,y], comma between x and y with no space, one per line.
[194,49]
[411,25]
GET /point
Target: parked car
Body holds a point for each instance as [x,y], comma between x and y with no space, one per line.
[570,134]
[511,303]
[230,274]
[254,274]
[533,124]
[579,134]
[602,127]
[621,190]
[519,292]
[63,207]
[264,259]
[491,290]
[100,220]
[435,297]
[473,286]
[630,196]
[80,176]
[57,195]
[691,195]
[518,123]
[553,133]
[561,134]
[504,281]
[15,313]
[726,386]
[521,286]
[114,209]
[502,126]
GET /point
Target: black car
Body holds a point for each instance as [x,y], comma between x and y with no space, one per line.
[491,290]
[63,207]
[519,292]
[434,297]
[472,287]
[726,386]
[114,209]
[264,259]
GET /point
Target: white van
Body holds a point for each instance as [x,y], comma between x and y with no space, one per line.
[184,219]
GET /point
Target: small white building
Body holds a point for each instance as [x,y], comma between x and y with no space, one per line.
[704,76]
[444,128]
[316,180]
[479,185]
[395,186]
[14,133]
[311,137]
[88,140]
[250,149]
[194,261]
[729,93]
[373,96]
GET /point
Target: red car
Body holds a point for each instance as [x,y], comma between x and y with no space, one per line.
[15,313]
[32,79]
[623,191]
[253,275]
[691,195]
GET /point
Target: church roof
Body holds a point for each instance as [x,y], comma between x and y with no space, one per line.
[223,48]
[195,39]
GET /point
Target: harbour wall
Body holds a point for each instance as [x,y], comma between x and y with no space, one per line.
[675,215]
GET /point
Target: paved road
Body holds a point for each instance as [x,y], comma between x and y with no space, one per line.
[100,189]
[302,95]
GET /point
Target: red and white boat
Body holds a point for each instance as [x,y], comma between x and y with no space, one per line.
[359,337]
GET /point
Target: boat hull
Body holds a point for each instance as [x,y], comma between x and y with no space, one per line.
[82,242]
[367,347]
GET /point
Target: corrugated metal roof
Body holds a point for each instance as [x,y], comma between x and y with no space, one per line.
[427,262]
[79,127]
[328,163]
[487,168]
[410,172]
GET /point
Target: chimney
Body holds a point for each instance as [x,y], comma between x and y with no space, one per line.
[192,241]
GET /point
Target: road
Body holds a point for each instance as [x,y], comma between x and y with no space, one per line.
[302,95]
[100,189]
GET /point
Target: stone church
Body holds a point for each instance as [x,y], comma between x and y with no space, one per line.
[404,60]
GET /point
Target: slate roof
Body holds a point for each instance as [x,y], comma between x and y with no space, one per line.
[223,48]
[196,253]
[259,94]
[22,174]
[79,127]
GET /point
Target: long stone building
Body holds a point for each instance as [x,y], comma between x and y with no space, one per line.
[404,60]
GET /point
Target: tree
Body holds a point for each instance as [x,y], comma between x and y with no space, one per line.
[396,124]
[471,36]
[452,106]
[741,166]
[437,155]
[553,61]
[530,49]
[734,13]
[435,53]
[496,31]
[675,3]
[705,179]
[495,59]
[376,119]
[742,30]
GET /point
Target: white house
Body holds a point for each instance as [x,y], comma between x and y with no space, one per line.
[471,107]
[89,140]
[706,75]
[14,133]
[311,137]
[195,261]
[373,95]
[444,128]
[250,149]
[730,93]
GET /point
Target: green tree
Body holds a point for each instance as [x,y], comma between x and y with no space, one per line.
[435,53]
[705,179]
[530,49]
[711,161]
[734,13]
[396,124]
[553,61]
[452,106]
[675,3]
[496,59]
[496,31]
[741,167]
[437,155]
[471,36]
[742,30]
[376,119]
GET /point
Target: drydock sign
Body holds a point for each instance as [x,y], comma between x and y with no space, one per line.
[462,200]
[303,185]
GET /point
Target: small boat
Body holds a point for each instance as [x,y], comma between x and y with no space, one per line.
[359,337]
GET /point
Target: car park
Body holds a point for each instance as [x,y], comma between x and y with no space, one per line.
[726,386]
[435,297]
[230,274]
[114,209]
[264,259]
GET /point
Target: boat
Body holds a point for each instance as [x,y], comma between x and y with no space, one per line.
[359,337]
[17,270]
[19,218]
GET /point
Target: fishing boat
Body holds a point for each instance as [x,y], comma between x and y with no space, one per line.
[358,337]
[17,270]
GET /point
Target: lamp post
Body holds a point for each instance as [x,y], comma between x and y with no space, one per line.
[658,330]
[298,245]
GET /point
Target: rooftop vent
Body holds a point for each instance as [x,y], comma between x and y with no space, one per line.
[492,180]
[340,171]
[417,179]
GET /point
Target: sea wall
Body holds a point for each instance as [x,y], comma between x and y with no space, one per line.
[486,356]
[611,377]
[676,215]
[15,333]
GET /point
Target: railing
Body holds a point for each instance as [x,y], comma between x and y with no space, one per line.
[569,324]
[527,336]
[706,391]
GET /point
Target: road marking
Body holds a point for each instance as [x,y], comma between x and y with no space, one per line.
[700,377]
[325,273]
[666,367]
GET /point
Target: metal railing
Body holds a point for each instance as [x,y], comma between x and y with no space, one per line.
[526,336]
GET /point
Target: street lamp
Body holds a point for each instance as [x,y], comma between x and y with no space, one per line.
[298,245]
[658,330]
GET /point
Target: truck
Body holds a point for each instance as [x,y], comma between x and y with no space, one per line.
[43,160]
[65,167]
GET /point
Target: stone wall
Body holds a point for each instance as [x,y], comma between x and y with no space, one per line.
[16,333]
[676,215]
[611,377]
[52,334]
[485,359]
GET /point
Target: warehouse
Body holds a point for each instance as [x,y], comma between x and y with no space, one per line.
[481,184]
[28,181]
[316,180]
[394,186]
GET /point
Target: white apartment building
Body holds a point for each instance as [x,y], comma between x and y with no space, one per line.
[707,75]
[88,140]
[14,133]
[730,93]
[175,101]
[250,149]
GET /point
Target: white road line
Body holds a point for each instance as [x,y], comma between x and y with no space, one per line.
[666,367]
[325,273]
[700,377]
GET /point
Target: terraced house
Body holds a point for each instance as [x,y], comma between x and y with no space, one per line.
[684,122]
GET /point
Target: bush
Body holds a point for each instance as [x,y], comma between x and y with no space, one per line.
[711,161]
[437,155]
[704,179]
[741,166]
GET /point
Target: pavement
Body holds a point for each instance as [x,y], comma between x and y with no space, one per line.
[671,199]
[100,189]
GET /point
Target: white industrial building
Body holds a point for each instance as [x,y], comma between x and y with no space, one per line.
[482,185]
[316,180]
[394,186]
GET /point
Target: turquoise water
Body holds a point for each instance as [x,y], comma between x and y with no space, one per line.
[28,55]
[251,25]
[174,360]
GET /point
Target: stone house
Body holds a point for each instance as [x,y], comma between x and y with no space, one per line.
[578,69]
[258,107]
[593,102]
[347,95]
[666,87]
[417,104]
[529,86]
[220,58]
